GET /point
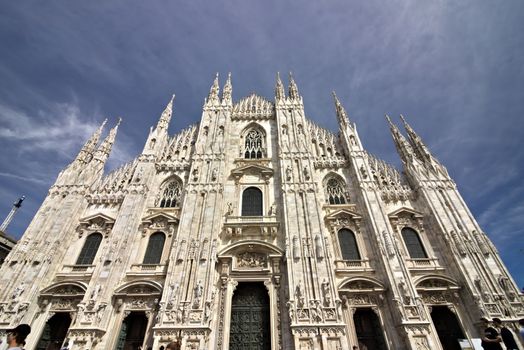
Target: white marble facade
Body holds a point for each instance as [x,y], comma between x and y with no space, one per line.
[318,188]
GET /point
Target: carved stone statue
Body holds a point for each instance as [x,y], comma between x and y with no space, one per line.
[96,290]
[404,292]
[299,294]
[17,293]
[289,173]
[273,209]
[296,248]
[197,292]
[229,208]
[325,292]
[306,173]
[214,174]
[318,247]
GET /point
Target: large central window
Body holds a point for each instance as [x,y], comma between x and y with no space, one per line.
[254,145]
[170,194]
[335,191]
[252,202]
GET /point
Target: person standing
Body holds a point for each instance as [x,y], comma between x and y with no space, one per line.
[16,336]
[491,339]
[507,336]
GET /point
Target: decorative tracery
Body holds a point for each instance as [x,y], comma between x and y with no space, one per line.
[335,191]
[170,194]
[254,145]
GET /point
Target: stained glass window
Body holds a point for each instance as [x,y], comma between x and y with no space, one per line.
[170,194]
[348,245]
[252,202]
[154,249]
[88,253]
[413,244]
[254,145]
[335,192]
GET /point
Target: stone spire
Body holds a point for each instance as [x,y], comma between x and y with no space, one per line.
[103,151]
[90,145]
[227,91]
[293,89]
[342,116]
[214,91]
[404,149]
[417,142]
[165,118]
[280,94]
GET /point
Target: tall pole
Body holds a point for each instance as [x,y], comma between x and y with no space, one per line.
[16,206]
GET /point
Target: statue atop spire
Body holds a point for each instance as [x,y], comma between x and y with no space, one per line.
[86,153]
[214,91]
[103,151]
[279,89]
[342,115]
[422,151]
[227,91]
[403,147]
[165,118]
[416,141]
[293,89]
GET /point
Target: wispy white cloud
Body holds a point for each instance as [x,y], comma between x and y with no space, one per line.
[62,130]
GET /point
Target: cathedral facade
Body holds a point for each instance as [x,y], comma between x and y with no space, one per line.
[255,229]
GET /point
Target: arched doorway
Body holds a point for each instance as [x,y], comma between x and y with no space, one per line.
[447,326]
[55,331]
[133,331]
[250,324]
[369,330]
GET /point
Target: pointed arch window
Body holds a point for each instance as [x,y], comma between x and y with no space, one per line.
[254,145]
[335,191]
[155,247]
[252,202]
[89,250]
[170,194]
[348,245]
[413,244]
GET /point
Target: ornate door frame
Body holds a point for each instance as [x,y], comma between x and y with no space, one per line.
[249,262]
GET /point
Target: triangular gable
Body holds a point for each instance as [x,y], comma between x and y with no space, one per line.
[405,210]
[343,213]
[98,216]
[159,215]
[265,171]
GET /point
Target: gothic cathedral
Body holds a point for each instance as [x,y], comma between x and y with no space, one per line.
[255,229]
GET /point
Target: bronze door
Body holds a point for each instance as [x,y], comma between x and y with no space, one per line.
[249,328]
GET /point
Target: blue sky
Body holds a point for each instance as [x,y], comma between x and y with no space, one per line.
[455,69]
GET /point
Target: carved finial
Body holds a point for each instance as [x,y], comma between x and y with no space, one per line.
[419,145]
[105,147]
[342,116]
[403,147]
[214,91]
[165,118]
[228,89]
[279,89]
[293,89]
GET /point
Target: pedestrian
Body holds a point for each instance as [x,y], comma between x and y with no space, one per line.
[16,336]
[491,338]
[505,333]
